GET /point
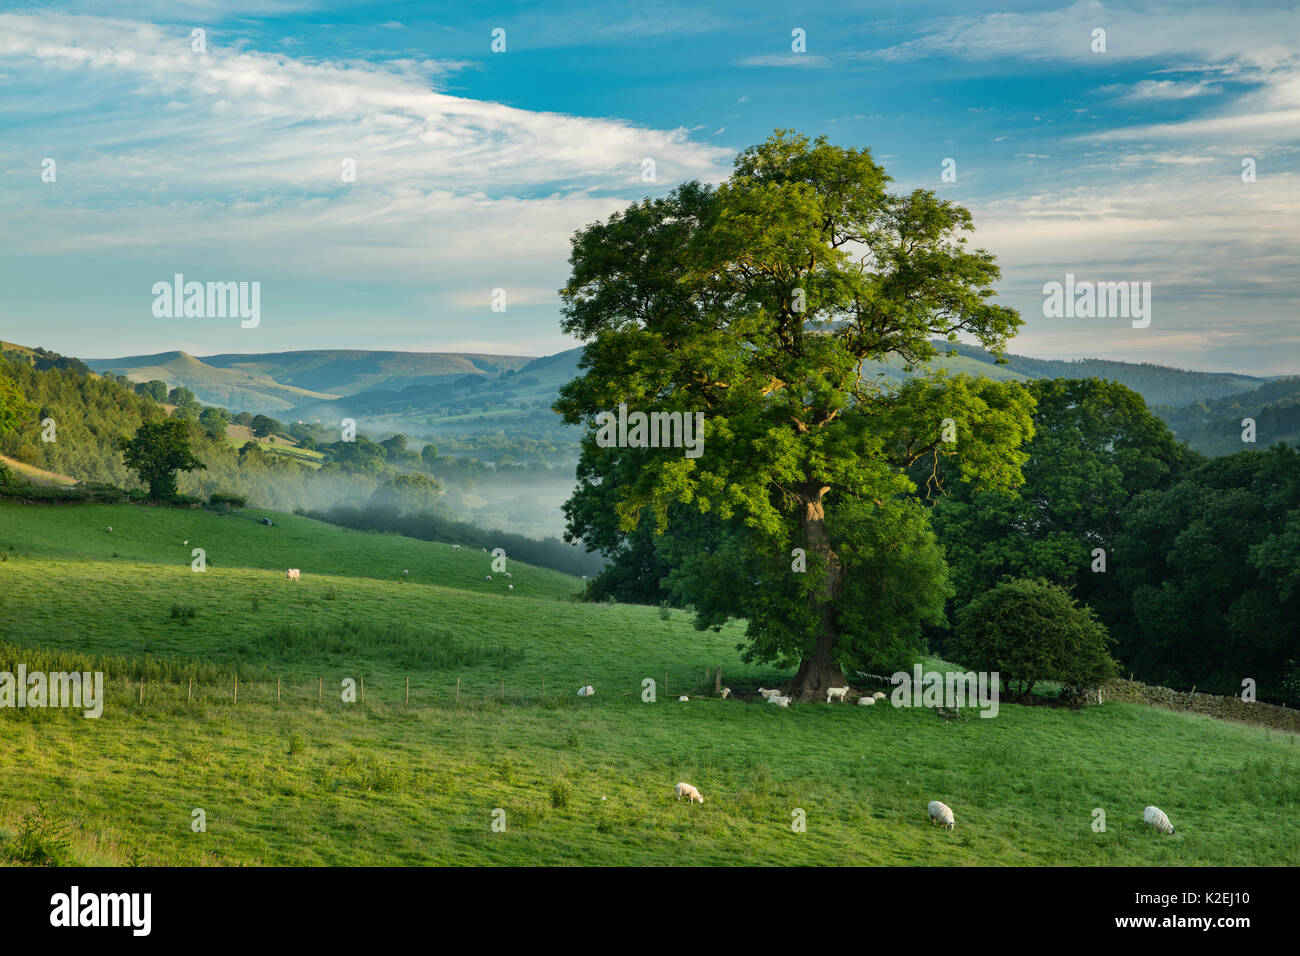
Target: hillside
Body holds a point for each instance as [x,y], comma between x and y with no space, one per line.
[1158,384]
[1214,426]
[236,388]
[286,780]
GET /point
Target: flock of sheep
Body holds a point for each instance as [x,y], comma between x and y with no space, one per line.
[939,811]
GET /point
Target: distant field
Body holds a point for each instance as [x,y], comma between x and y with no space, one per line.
[300,783]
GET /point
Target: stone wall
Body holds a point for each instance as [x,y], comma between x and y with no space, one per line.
[1225,708]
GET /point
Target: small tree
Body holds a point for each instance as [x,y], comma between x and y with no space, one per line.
[157,452]
[1032,630]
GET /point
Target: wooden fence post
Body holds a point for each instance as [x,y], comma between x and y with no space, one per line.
[503,688]
[277,690]
[408,690]
[458,690]
[236,688]
[142,689]
[320,682]
[363,689]
[190,696]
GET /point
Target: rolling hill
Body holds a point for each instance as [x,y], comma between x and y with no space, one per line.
[288,773]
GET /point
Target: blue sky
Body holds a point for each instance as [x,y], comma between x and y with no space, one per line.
[474,168]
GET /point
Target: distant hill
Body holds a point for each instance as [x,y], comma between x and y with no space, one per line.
[1214,427]
[238,389]
[1158,384]
[438,394]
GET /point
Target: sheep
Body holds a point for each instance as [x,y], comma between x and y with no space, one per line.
[726,692]
[779,701]
[769,694]
[455,547]
[406,572]
[109,528]
[878,695]
[292,574]
[1156,817]
[866,701]
[836,693]
[941,813]
[510,587]
[186,542]
[586,691]
[487,578]
[508,574]
[683,699]
[686,790]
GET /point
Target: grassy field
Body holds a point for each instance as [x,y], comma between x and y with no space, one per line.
[302,782]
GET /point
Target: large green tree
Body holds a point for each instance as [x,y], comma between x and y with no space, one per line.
[157,451]
[768,305]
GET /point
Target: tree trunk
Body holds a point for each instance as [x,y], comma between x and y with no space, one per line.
[821,670]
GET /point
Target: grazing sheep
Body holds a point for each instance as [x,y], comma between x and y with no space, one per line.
[726,692]
[186,542]
[1156,817]
[109,528]
[878,695]
[683,699]
[769,694]
[292,574]
[686,790]
[508,574]
[455,547]
[586,691]
[487,578]
[510,587]
[779,701]
[941,813]
[836,693]
[866,701]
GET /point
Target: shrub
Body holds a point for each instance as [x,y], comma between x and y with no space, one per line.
[41,839]
[560,794]
[1030,631]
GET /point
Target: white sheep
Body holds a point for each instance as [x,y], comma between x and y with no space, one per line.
[406,572]
[686,790]
[455,547]
[769,694]
[109,528]
[866,701]
[510,587]
[941,813]
[683,699]
[779,701]
[292,574]
[586,691]
[836,693]
[508,574]
[487,577]
[878,695]
[1156,817]
[726,692]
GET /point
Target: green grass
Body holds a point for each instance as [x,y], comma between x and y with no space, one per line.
[299,782]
